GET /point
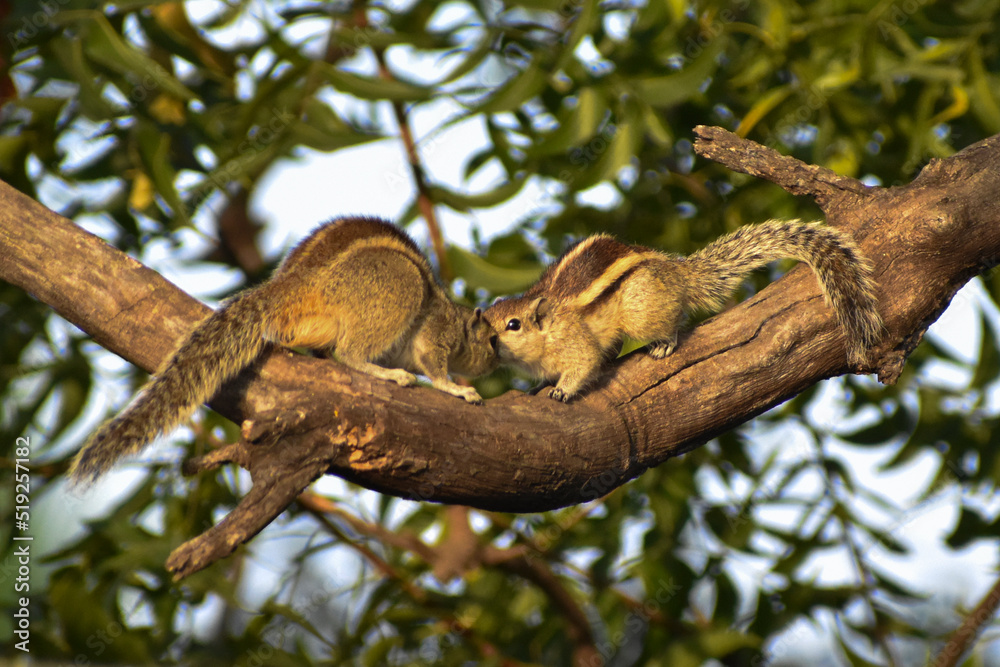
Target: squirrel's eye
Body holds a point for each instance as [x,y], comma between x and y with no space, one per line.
[513,324]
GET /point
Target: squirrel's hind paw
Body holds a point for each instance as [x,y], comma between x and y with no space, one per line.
[662,348]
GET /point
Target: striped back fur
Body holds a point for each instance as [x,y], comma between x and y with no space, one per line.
[590,268]
[333,238]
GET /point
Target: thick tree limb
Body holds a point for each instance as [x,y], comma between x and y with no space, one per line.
[305,417]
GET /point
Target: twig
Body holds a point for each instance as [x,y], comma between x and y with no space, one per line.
[864,574]
[424,200]
[962,639]
[751,158]
[513,560]
[319,507]
[537,572]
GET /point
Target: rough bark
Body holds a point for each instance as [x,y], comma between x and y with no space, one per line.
[304,417]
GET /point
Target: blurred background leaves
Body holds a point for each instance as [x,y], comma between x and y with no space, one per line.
[853,525]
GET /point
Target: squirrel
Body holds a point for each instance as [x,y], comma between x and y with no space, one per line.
[358,287]
[575,317]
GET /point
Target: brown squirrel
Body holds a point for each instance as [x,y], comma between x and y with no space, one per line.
[357,287]
[574,318]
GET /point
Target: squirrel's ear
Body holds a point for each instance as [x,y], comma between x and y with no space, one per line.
[476,319]
[540,310]
[473,321]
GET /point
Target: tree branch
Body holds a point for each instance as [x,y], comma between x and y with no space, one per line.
[445,564]
[319,507]
[425,202]
[964,636]
[303,417]
[751,158]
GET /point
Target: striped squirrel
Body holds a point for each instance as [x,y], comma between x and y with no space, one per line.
[359,287]
[601,290]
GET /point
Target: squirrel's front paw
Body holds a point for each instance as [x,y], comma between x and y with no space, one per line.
[661,349]
[469,394]
[401,377]
[559,395]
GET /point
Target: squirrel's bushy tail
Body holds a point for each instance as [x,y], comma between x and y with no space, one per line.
[215,351]
[843,272]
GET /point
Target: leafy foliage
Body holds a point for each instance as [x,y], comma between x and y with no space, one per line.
[769,545]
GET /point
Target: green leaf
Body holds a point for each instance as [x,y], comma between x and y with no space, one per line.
[546,5]
[577,124]
[889,542]
[154,149]
[478,160]
[512,250]
[850,651]
[367,88]
[673,89]
[323,130]
[776,22]
[377,653]
[473,59]
[895,425]
[988,365]
[762,106]
[656,128]
[69,595]
[519,89]
[70,54]
[582,25]
[271,607]
[464,202]
[73,391]
[602,160]
[104,45]
[720,642]
[247,164]
[708,643]
[983,87]
[970,528]
[478,273]
[13,150]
